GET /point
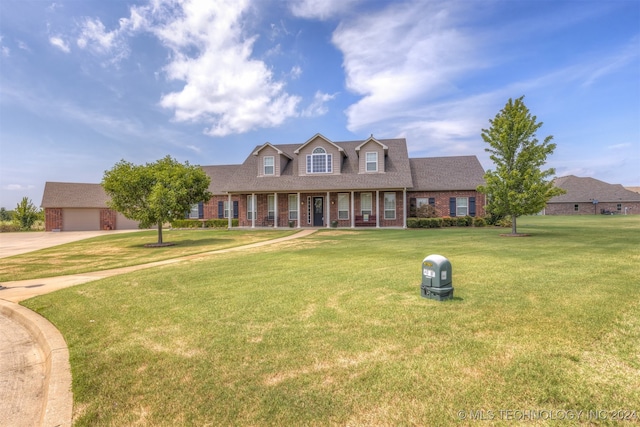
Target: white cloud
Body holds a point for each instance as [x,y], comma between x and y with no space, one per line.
[17,187]
[318,106]
[321,9]
[59,43]
[225,88]
[22,45]
[95,38]
[296,72]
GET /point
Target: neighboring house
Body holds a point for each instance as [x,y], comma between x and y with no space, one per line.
[320,183]
[589,196]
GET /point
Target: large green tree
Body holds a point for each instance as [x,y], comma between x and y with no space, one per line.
[518,185]
[155,193]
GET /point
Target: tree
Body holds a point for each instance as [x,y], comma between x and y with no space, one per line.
[155,193]
[5,215]
[26,213]
[517,186]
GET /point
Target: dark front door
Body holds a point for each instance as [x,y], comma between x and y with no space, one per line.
[318,211]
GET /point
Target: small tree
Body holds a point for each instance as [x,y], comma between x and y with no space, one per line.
[155,193]
[518,186]
[26,214]
[5,215]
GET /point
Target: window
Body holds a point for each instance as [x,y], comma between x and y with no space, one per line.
[269,163]
[619,206]
[319,161]
[343,205]
[250,208]
[270,206]
[575,208]
[389,205]
[462,206]
[309,210]
[194,213]
[365,204]
[226,209]
[421,201]
[372,162]
[293,207]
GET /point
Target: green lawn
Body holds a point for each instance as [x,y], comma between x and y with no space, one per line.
[122,250]
[331,329]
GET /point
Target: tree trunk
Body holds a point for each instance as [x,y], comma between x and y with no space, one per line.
[159,233]
[513,224]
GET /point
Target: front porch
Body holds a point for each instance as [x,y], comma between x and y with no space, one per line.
[344,209]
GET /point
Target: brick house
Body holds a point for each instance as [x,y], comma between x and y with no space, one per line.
[320,183]
[589,196]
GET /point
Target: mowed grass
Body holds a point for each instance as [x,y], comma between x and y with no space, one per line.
[331,329]
[126,249]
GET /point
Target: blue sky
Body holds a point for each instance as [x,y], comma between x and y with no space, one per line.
[84,84]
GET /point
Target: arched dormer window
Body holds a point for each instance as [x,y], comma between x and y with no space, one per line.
[319,161]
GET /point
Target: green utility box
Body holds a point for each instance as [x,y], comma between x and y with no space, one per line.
[437,282]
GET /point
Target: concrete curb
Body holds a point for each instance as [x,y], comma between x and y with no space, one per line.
[57,407]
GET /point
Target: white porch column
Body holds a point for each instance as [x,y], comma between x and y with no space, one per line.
[253,210]
[404,207]
[230,212]
[353,209]
[299,209]
[328,211]
[378,209]
[275,210]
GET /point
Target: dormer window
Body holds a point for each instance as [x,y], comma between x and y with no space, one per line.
[269,162]
[319,161]
[372,162]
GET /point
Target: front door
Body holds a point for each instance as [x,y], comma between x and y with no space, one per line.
[318,211]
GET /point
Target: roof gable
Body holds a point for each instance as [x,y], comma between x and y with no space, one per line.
[268,144]
[314,139]
[372,139]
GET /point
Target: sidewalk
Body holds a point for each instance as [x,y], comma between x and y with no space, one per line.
[34,359]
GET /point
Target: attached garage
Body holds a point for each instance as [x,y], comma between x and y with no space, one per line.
[124,223]
[80,219]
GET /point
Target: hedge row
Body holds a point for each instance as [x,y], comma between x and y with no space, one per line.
[461,221]
[210,223]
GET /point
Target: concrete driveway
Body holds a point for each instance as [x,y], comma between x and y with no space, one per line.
[23,242]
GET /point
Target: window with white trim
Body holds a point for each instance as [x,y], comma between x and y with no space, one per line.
[343,205]
[389,205]
[271,206]
[576,207]
[269,165]
[251,211]
[293,206]
[319,161]
[226,209]
[462,206]
[365,204]
[372,162]
[421,201]
[194,212]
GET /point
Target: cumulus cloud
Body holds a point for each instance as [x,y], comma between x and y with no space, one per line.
[59,43]
[224,87]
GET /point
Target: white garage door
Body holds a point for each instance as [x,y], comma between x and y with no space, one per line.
[124,223]
[80,219]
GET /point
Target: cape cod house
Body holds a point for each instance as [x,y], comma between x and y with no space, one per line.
[319,183]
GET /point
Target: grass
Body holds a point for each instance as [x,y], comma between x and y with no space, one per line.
[126,249]
[331,329]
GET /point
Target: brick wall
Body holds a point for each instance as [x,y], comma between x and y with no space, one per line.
[587,208]
[442,200]
[52,219]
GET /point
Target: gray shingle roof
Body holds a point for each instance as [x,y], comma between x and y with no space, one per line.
[219,175]
[587,189]
[73,195]
[396,176]
[446,173]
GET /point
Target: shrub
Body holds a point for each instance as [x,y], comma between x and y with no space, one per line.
[210,223]
[464,221]
[426,211]
[505,222]
[479,222]
[8,227]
